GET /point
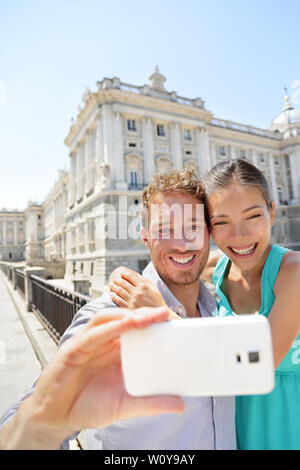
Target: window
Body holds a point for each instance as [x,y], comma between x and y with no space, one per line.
[188,152]
[92,269]
[187,134]
[132,144]
[160,130]
[222,152]
[243,154]
[261,158]
[133,179]
[131,125]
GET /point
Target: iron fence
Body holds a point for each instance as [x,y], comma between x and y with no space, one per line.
[20,282]
[55,306]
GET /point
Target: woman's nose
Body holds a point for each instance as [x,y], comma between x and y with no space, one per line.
[239,231]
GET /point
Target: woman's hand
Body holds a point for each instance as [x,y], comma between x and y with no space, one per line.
[131,290]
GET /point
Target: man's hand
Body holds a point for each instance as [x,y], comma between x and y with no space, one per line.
[83,386]
[131,290]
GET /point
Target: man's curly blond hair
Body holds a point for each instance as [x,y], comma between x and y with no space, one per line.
[177,181]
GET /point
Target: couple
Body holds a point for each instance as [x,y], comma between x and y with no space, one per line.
[83,388]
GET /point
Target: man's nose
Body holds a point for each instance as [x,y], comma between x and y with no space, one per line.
[188,242]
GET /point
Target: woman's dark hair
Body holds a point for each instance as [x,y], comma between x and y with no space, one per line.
[238,171]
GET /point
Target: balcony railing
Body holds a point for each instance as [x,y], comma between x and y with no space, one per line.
[136,187]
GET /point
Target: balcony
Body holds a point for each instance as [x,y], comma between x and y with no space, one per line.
[136,187]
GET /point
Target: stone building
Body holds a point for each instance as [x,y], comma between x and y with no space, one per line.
[123,135]
[12,235]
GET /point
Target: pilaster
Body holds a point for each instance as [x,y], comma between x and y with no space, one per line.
[149,163]
[176,145]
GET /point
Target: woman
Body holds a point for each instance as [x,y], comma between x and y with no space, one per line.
[253,276]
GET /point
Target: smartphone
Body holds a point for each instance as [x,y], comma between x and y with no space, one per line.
[199,357]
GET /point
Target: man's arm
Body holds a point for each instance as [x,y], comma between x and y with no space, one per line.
[83,386]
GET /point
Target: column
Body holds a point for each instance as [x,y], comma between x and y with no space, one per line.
[294,155]
[149,162]
[107,135]
[233,153]
[72,180]
[80,170]
[118,163]
[287,195]
[90,179]
[4,232]
[176,145]
[273,180]
[99,139]
[203,151]
[213,151]
[15,229]
[254,158]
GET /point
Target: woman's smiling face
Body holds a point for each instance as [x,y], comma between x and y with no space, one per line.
[241,224]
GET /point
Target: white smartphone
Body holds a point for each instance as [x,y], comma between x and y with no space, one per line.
[199,357]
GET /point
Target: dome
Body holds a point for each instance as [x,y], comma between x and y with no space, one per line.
[288,116]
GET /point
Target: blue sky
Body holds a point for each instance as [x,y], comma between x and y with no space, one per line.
[237,55]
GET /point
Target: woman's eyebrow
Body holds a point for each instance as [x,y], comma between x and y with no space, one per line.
[257,206]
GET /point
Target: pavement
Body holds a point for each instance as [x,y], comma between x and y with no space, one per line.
[25,347]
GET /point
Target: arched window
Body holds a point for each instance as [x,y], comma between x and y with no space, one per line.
[163,164]
[134,164]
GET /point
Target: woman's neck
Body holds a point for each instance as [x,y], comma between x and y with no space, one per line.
[249,275]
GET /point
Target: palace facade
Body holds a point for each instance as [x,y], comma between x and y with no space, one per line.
[123,135]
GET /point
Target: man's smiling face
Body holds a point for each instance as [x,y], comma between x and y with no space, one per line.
[177,237]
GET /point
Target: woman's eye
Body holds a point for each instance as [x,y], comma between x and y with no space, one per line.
[254,216]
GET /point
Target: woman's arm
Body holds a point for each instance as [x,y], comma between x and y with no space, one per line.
[207,272]
[130,289]
[284,317]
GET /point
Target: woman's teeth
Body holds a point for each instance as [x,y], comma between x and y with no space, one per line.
[182,260]
[244,251]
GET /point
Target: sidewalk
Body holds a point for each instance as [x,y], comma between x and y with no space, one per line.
[25,347]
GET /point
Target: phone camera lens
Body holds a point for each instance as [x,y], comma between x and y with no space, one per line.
[253,356]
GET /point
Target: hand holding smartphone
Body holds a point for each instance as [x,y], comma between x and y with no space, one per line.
[200,357]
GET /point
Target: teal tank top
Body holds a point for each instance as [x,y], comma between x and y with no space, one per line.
[271,421]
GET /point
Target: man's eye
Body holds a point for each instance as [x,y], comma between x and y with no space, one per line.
[219,223]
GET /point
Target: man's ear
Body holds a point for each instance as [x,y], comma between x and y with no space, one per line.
[144,236]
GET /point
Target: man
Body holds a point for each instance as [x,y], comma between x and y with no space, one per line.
[178,242]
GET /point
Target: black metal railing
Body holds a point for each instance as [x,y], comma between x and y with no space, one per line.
[55,306]
[20,281]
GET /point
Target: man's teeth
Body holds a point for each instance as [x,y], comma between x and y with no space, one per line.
[244,251]
[182,260]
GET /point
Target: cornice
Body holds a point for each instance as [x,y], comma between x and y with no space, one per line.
[116,96]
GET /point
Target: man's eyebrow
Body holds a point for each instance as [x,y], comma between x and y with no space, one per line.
[256,206]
